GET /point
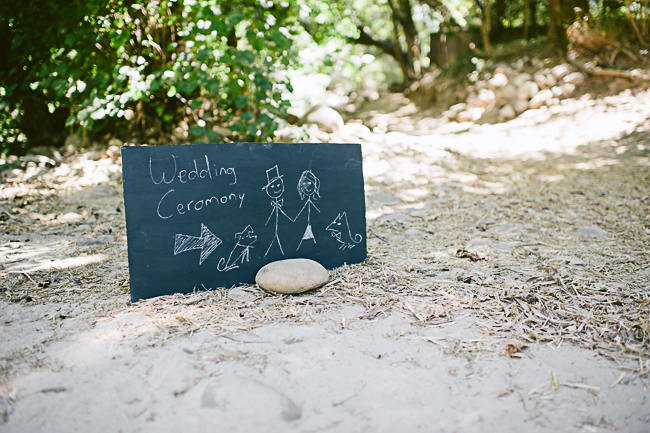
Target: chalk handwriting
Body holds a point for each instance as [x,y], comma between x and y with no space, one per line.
[201,169]
[168,207]
[339,228]
[160,201]
[163,173]
[207,242]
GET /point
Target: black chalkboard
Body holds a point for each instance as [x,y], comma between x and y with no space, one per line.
[211,215]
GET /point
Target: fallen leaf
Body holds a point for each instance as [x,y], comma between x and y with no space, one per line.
[514,350]
[505,393]
[464,254]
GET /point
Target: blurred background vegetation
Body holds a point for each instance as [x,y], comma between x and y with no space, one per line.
[223,70]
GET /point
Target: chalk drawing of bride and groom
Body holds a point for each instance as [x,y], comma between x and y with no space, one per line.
[308,190]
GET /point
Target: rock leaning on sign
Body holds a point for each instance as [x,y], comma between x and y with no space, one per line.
[292,276]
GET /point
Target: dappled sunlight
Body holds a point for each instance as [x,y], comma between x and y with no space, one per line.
[414,194]
[374,167]
[637,146]
[551,178]
[497,158]
[21,256]
[87,172]
[463,178]
[590,165]
[487,188]
[88,168]
[373,214]
[535,135]
[65,263]
[58,225]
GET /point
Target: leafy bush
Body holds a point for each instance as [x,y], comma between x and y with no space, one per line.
[217,66]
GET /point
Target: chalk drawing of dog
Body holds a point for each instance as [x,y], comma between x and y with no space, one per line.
[339,228]
[240,253]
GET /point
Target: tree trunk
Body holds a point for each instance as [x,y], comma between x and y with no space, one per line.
[498,14]
[404,32]
[403,23]
[533,17]
[438,49]
[555,26]
[529,13]
[410,34]
[486,27]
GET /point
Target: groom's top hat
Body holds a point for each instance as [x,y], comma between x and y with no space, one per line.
[272,174]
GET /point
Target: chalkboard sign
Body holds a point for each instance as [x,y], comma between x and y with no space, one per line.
[206,216]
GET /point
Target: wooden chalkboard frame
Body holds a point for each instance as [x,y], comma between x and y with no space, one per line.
[210,215]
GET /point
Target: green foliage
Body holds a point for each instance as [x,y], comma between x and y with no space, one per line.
[122,65]
[30,34]
[621,20]
[219,69]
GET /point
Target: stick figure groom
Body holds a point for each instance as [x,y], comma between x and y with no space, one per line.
[274,189]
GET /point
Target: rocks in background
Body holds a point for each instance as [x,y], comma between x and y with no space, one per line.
[113,151]
[541,98]
[50,152]
[567,89]
[527,90]
[508,92]
[471,115]
[504,92]
[575,78]
[520,105]
[498,81]
[544,81]
[72,144]
[520,79]
[498,92]
[353,131]
[115,142]
[485,98]
[326,118]
[39,160]
[453,111]
[560,71]
[506,113]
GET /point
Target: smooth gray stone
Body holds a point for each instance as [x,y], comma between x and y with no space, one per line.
[292,276]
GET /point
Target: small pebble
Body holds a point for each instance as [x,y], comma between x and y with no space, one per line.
[292,276]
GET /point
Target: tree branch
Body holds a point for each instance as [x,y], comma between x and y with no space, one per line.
[609,73]
[364,38]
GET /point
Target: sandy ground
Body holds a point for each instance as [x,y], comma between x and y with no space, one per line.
[506,290]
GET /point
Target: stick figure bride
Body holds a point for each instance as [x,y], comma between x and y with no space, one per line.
[308,189]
